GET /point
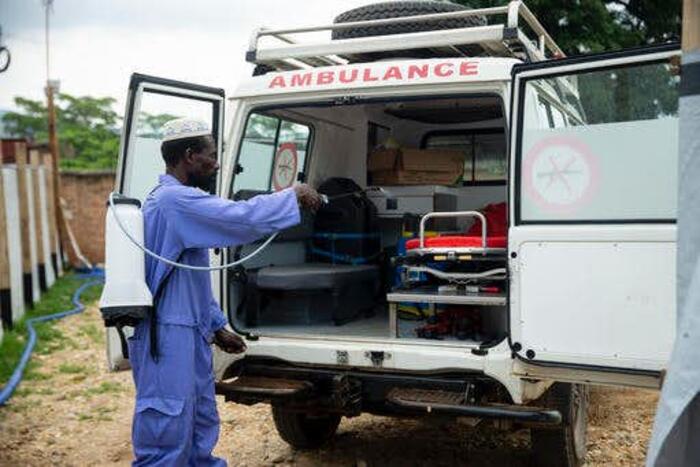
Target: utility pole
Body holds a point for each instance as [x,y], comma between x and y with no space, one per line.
[51,88]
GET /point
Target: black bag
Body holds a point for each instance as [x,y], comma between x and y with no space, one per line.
[346,229]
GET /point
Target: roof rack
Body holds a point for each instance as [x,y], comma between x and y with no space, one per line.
[496,40]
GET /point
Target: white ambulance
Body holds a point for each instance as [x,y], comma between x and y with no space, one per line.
[500,231]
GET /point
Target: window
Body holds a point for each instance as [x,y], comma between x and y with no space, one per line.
[272,154]
[611,156]
[145,163]
[485,152]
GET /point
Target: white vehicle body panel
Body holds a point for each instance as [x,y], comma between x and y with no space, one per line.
[602,288]
[392,76]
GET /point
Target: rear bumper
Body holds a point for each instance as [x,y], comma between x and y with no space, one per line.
[353,392]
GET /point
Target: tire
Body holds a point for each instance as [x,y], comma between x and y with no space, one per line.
[565,445]
[396,10]
[302,430]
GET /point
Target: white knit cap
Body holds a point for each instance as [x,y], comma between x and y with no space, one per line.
[181,128]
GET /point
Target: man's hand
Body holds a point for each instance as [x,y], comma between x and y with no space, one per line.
[307,197]
[228,341]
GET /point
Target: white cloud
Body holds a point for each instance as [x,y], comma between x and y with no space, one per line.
[96,45]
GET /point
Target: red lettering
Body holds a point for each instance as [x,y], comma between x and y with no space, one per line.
[324,77]
[301,80]
[345,79]
[417,71]
[444,69]
[277,82]
[468,68]
[367,75]
[393,72]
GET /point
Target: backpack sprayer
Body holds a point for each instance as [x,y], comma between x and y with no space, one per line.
[126,299]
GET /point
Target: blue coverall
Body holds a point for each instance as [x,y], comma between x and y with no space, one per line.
[175,420]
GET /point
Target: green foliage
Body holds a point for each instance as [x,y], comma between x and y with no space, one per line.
[149,126]
[585,26]
[87,127]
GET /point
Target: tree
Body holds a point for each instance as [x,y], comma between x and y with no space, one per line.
[584,26]
[150,126]
[88,134]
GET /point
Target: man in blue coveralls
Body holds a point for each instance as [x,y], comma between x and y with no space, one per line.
[175,420]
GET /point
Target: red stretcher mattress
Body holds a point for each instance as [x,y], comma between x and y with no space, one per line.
[452,241]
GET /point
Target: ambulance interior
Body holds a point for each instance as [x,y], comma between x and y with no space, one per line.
[357,267]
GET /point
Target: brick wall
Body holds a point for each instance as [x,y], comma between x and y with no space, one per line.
[86,194]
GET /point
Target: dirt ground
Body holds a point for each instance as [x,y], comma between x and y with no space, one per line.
[74,413]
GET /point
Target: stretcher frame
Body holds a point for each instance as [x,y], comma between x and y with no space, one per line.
[456,252]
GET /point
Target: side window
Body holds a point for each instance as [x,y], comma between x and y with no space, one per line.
[272,153]
[484,151]
[609,153]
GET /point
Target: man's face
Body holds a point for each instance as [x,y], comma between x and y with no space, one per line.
[202,166]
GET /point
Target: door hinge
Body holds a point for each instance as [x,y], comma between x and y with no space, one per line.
[377,357]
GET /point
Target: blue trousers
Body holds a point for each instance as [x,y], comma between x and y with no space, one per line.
[175,418]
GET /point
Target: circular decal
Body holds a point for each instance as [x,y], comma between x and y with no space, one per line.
[285,170]
[560,174]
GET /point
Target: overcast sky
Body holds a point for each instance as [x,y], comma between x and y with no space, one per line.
[97,44]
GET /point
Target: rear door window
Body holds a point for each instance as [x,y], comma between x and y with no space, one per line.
[611,156]
[484,153]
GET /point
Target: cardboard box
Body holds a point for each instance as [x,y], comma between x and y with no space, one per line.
[416,166]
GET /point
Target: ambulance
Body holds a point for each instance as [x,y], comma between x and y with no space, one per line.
[500,231]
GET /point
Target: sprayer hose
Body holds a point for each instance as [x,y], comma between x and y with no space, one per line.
[181,265]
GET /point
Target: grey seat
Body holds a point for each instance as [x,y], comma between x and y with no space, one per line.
[310,293]
[314,276]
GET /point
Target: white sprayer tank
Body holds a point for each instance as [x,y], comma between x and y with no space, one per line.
[125,269]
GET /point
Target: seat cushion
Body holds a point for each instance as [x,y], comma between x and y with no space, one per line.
[313,276]
[457,241]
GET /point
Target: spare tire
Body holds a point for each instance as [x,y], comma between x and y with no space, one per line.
[398,10]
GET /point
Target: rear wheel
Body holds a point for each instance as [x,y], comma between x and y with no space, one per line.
[565,445]
[303,430]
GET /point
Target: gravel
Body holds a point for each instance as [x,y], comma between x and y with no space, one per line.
[75,413]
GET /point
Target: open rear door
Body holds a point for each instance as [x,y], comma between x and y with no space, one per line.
[150,103]
[592,240]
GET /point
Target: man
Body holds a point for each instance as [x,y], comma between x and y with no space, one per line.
[175,420]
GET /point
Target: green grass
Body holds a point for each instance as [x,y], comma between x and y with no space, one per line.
[103,388]
[100,414]
[49,338]
[93,333]
[71,369]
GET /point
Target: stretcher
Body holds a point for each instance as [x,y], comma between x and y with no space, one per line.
[424,254]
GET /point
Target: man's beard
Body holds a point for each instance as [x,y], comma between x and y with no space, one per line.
[204,183]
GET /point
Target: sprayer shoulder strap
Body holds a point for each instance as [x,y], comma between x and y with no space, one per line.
[154,310]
